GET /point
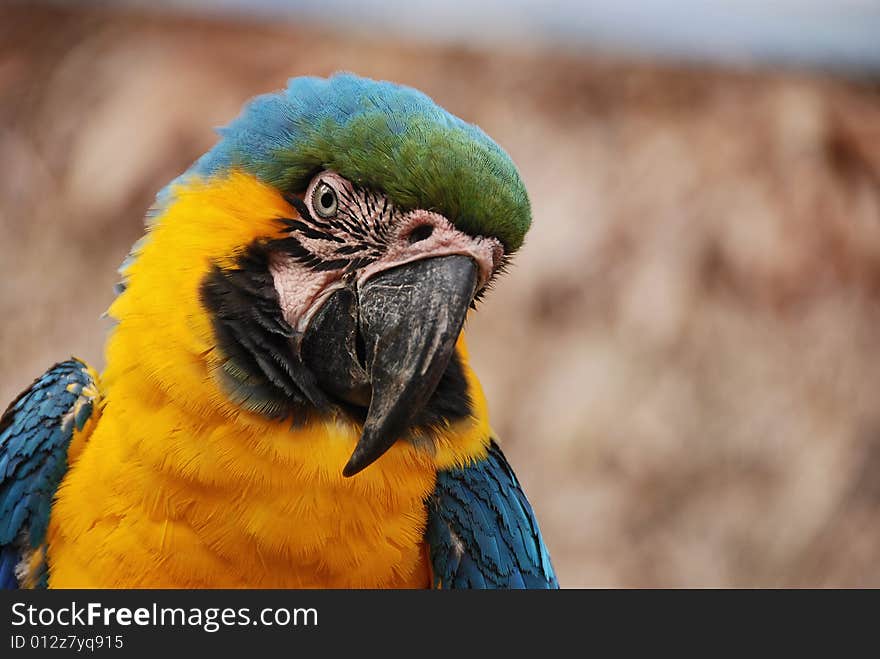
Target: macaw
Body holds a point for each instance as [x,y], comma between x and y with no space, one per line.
[287,399]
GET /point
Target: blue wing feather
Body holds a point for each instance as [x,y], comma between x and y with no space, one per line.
[482,532]
[35,433]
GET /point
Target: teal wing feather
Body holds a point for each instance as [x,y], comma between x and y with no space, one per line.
[35,433]
[482,532]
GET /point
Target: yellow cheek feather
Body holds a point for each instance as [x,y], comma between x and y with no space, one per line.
[178,487]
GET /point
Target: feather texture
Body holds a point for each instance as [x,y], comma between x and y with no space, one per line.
[482,532]
[35,435]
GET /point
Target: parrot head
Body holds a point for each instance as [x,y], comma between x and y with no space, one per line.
[333,241]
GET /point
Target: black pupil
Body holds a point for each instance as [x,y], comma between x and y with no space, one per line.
[326,199]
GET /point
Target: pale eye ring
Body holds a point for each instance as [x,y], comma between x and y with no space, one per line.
[324,200]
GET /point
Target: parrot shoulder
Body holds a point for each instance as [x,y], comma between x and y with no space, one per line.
[41,433]
[482,532]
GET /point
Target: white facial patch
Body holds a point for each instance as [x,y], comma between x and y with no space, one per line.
[300,290]
[363,235]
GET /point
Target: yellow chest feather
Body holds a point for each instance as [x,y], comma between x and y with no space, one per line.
[160,498]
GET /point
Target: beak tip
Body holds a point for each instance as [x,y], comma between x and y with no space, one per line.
[417,310]
[350,469]
[358,461]
[370,448]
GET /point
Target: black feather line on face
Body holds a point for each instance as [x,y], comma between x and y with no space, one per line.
[303,211]
[350,249]
[358,217]
[308,232]
[328,266]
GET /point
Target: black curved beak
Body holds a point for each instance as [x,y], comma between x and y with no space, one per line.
[389,343]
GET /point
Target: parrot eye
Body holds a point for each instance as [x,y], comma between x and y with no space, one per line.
[324,200]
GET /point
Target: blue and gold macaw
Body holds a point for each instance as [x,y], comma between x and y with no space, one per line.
[287,400]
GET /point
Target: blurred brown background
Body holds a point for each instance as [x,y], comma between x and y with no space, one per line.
[683,362]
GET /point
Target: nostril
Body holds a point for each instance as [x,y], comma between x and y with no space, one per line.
[420,233]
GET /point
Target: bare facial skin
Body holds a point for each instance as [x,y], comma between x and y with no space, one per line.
[365,235]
